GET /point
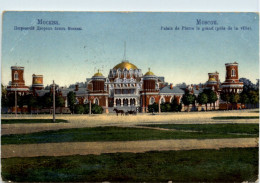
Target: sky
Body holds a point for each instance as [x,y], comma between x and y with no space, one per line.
[70,56]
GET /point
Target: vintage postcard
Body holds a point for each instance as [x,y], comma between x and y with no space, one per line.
[129,97]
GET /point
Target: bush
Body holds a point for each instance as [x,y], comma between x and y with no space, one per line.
[153,108]
[96,109]
[79,109]
[86,108]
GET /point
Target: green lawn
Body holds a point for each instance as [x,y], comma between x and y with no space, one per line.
[224,165]
[235,117]
[113,134]
[252,129]
[16,121]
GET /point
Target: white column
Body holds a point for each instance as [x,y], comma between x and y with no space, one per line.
[128,102]
[122,100]
[115,102]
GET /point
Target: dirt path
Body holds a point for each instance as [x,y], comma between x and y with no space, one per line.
[85,148]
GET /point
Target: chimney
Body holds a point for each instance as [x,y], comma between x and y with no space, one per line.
[171,86]
[76,87]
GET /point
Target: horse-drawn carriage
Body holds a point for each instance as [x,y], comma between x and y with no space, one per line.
[122,112]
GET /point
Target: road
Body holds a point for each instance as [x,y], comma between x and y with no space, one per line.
[85,148]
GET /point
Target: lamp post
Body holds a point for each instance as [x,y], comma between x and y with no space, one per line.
[53,92]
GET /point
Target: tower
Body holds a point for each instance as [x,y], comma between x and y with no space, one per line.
[213,81]
[17,83]
[98,81]
[97,91]
[37,82]
[150,91]
[232,84]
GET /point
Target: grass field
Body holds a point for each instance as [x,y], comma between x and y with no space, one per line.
[235,117]
[132,134]
[224,165]
[28,121]
[252,129]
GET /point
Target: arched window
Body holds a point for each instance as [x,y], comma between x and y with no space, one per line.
[16,75]
[152,100]
[96,101]
[85,101]
[162,100]
[233,73]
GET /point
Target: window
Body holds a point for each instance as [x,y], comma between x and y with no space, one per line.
[162,100]
[152,100]
[233,73]
[96,101]
[16,76]
[77,101]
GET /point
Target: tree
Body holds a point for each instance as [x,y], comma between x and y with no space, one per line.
[71,97]
[248,85]
[4,97]
[244,99]
[188,99]
[79,109]
[59,101]
[234,99]
[212,96]
[46,100]
[175,106]
[225,97]
[203,99]
[254,97]
[31,102]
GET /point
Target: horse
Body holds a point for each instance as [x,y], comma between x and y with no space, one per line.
[119,111]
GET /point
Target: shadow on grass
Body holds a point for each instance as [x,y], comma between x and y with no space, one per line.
[97,134]
[235,117]
[224,165]
[28,121]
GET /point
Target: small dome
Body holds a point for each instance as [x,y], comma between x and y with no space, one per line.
[125,64]
[98,74]
[149,73]
[212,79]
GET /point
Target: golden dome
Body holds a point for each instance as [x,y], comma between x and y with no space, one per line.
[125,64]
[212,79]
[149,73]
[98,74]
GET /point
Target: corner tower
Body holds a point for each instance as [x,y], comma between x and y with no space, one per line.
[232,84]
[17,83]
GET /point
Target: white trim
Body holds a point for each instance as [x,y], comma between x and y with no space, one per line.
[17,89]
[97,94]
[150,100]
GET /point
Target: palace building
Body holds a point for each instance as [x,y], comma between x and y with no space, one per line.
[127,88]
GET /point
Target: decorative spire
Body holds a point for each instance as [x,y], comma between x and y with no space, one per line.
[124,58]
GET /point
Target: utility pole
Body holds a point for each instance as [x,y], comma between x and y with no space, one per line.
[53,92]
[15,102]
